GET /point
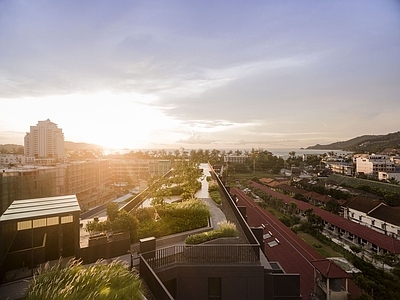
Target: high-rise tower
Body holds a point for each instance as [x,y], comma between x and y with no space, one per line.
[45,140]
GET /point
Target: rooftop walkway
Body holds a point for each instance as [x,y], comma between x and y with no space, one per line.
[15,289]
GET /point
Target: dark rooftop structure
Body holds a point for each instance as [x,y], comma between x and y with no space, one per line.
[34,231]
[387,214]
[363,204]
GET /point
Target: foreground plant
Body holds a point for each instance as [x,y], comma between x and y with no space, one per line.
[75,281]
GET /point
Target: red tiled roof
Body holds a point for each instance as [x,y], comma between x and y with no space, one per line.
[291,189]
[292,253]
[329,269]
[381,240]
[266,180]
[323,198]
[312,195]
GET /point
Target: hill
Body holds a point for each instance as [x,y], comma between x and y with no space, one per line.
[365,143]
[80,146]
[11,148]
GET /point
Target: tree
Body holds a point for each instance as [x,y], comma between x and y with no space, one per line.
[292,207]
[333,206]
[315,222]
[112,210]
[126,222]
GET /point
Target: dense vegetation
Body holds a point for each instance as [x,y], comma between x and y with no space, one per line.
[225,229]
[172,218]
[74,281]
[390,193]
[213,191]
[157,221]
[11,149]
[117,221]
[182,181]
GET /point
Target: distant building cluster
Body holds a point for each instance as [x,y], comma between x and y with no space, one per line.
[45,172]
[384,167]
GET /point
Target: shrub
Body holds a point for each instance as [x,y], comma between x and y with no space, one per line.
[355,248]
[216,197]
[212,187]
[144,214]
[98,281]
[174,217]
[226,229]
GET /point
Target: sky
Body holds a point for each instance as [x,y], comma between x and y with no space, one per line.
[200,74]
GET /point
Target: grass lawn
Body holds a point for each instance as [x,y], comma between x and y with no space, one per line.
[275,212]
[322,249]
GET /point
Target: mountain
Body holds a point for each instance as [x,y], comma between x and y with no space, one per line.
[365,143]
[80,146]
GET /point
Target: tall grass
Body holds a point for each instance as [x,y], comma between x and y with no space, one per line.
[225,229]
[74,281]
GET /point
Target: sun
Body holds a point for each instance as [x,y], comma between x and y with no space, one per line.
[120,121]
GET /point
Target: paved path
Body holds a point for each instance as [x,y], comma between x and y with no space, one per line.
[217,214]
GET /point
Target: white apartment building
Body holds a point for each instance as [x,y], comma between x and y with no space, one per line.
[374,214]
[372,164]
[45,140]
[340,168]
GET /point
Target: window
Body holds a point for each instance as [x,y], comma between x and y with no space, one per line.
[274,243]
[39,223]
[214,288]
[267,235]
[373,222]
[52,221]
[24,225]
[67,219]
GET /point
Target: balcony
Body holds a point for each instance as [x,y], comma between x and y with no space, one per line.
[337,295]
[202,254]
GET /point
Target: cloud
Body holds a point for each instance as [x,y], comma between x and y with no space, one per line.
[229,71]
[195,139]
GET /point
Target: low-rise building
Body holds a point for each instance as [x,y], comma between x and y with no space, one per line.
[374,214]
[235,158]
[11,159]
[341,168]
[34,231]
[372,164]
[387,176]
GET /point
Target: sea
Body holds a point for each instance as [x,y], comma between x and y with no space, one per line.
[280,152]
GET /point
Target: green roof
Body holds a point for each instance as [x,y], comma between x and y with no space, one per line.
[40,207]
